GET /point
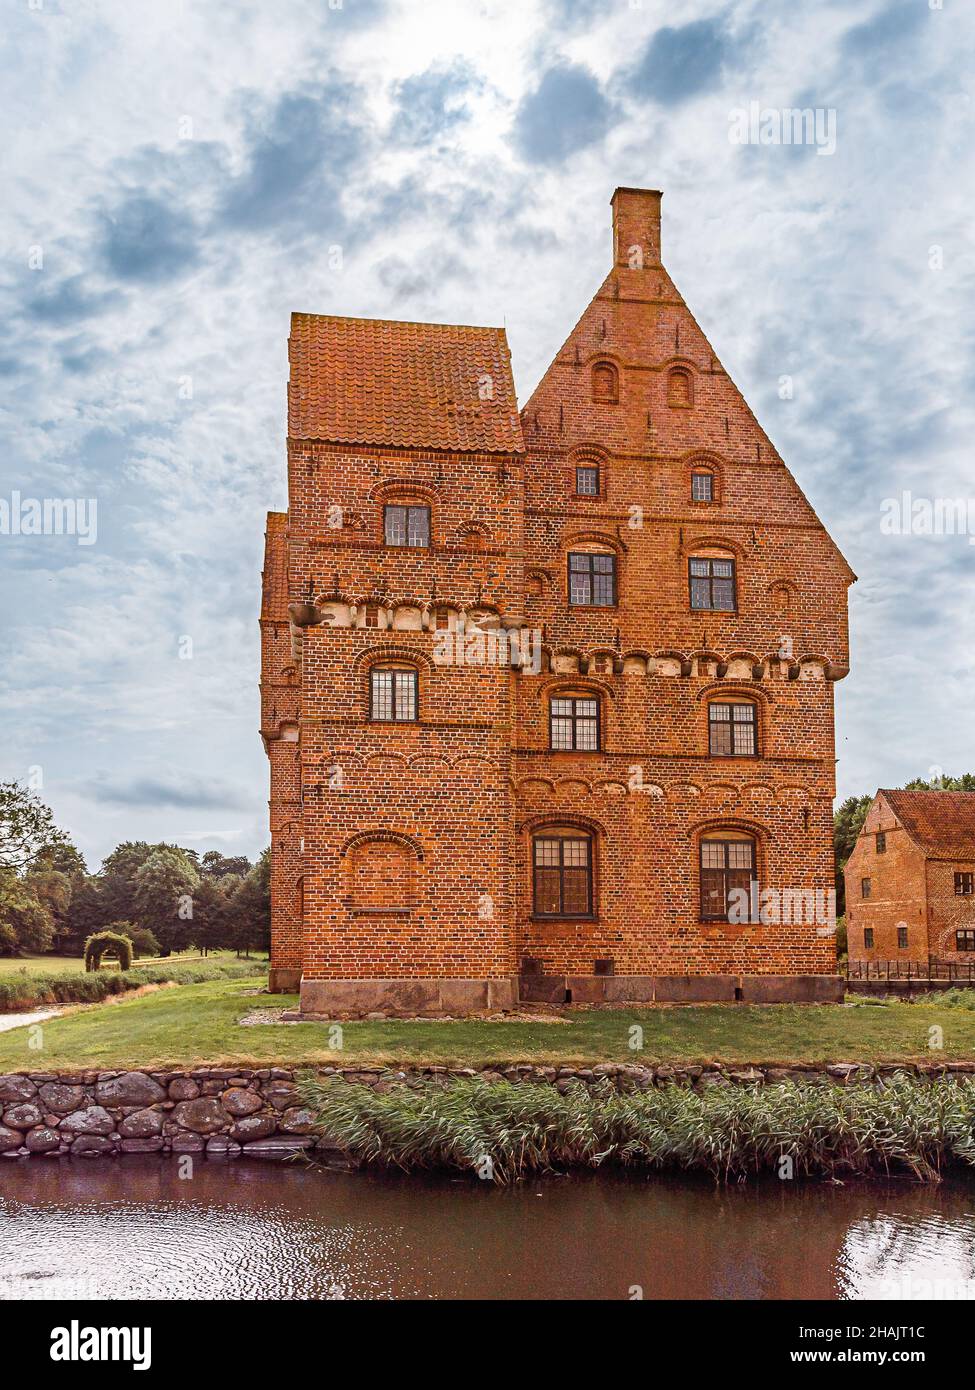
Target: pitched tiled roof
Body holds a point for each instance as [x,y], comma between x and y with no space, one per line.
[274,604]
[941,822]
[417,385]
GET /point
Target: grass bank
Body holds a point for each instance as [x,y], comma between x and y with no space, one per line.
[200,1024]
[504,1131]
[29,989]
[40,965]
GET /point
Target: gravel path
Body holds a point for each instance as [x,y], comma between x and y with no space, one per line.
[8,1021]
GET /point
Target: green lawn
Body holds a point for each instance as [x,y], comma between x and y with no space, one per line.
[42,965]
[58,965]
[198,1023]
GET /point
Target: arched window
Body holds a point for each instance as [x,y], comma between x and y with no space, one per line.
[393,693]
[405,524]
[592,578]
[573,723]
[727,872]
[702,485]
[587,480]
[712,583]
[562,873]
[732,729]
[680,387]
[605,383]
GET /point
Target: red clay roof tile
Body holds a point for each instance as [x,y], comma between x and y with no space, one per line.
[416,385]
[274,604]
[941,822]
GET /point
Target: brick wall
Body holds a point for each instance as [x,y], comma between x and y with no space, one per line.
[897,891]
[908,887]
[452,801]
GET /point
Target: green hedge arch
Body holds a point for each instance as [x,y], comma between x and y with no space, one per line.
[108,943]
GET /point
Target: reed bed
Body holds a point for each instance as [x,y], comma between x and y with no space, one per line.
[511,1130]
[26,991]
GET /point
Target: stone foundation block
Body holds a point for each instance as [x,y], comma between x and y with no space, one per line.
[421,996]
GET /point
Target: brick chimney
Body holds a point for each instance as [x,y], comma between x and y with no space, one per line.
[636,227]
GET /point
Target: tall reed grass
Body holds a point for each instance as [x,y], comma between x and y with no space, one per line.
[819,1129]
[26,991]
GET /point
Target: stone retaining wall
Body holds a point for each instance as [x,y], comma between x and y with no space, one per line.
[236,1112]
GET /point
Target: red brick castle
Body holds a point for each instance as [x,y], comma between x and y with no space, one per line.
[547,694]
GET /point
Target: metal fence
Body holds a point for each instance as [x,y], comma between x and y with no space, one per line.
[957,972]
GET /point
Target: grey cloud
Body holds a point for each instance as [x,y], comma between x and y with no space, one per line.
[575,13]
[424,277]
[298,157]
[185,790]
[356,13]
[431,104]
[890,25]
[461,206]
[79,356]
[679,63]
[70,300]
[567,112]
[147,239]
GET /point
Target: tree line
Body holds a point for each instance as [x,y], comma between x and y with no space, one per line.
[164,897]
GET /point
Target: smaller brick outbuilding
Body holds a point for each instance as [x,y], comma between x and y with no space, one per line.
[910,881]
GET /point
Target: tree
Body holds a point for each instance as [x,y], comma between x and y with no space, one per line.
[26,827]
[847,824]
[211,917]
[52,889]
[117,879]
[165,886]
[964,783]
[143,941]
[65,858]
[87,912]
[26,924]
[250,909]
[216,865]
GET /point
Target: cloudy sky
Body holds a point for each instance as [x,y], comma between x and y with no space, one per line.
[178,177]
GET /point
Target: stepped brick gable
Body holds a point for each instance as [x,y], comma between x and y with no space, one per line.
[910,881]
[547,695]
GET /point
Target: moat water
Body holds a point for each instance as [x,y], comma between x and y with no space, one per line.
[134,1228]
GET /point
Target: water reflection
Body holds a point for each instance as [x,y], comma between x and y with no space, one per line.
[134,1228]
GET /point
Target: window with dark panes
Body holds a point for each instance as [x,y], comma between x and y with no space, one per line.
[587,481]
[562,875]
[574,724]
[713,585]
[965,939]
[592,579]
[702,487]
[964,884]
[393,693]
[881,842]
[732,730]
[727,866]
[865,887]
[902,938]
[868,938]
[408,526]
